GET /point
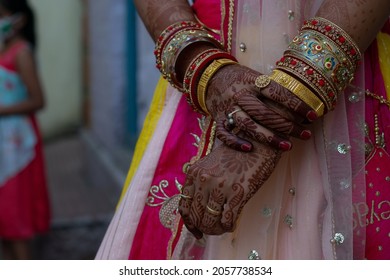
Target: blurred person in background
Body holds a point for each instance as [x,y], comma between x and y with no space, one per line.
[24,202]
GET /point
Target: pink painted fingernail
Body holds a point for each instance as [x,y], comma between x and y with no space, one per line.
[285,146]
[306,134]
[312,116]
[246,147]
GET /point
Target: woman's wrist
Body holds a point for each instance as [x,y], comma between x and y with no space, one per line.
[324,58]
[184,51]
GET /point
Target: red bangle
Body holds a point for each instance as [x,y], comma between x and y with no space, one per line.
[196,69]
[167,33]
[336,34]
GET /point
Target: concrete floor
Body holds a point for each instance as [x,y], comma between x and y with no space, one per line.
[81,210]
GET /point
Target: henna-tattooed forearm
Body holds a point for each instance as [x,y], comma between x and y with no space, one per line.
[361,19]
[157,15]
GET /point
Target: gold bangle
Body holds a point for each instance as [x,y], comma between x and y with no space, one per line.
[300,90]
[206,77]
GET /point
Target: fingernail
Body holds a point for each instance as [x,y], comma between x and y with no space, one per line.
[246,147]
[285,146]
[306,134]
[312,116]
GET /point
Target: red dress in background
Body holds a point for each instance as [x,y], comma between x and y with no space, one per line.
[24,201]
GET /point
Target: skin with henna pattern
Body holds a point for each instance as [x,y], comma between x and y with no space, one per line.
[268,116]
[210,184]
[157,15]
[361,19]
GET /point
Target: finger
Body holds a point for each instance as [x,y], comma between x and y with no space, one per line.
[268,117]
[281,95]
[233,207]
[185,206]
[259,133]
[230,139]
[213,212]
[197,210]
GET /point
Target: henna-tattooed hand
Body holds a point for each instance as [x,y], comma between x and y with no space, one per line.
[269,115]
[219,185]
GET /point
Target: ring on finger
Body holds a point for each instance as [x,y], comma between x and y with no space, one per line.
[213,211]
[262,81]
[230,116]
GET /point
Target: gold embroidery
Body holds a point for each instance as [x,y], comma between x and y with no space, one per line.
[223,14]
[230,27]
[202,125]
[201,142]
[381,99]
[212,138]
[168,214]
[218,32]
[158,197]
[227,41]
[197,140]
[174,230]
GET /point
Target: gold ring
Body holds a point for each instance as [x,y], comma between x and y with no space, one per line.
[262,81]
[212,211]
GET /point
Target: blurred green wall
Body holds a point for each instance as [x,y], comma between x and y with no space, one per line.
[59,55]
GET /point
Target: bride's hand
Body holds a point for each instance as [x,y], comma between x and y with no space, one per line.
[270,114]
[220,184]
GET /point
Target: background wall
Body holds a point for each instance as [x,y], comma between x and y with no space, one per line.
[147,73]
[60,63]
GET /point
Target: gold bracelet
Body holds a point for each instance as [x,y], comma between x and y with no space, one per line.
[206,77]
[300,90]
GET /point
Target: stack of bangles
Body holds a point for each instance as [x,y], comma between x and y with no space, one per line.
[319,64]
[172,42]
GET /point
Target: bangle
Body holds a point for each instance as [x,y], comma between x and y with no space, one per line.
[311,77]
[320,52]
[336,34]
[176,44]
[300,90]
[324,57]
[191,73]
[201,65]
[173,40]
[206,77]
[195,70]
[166,34]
